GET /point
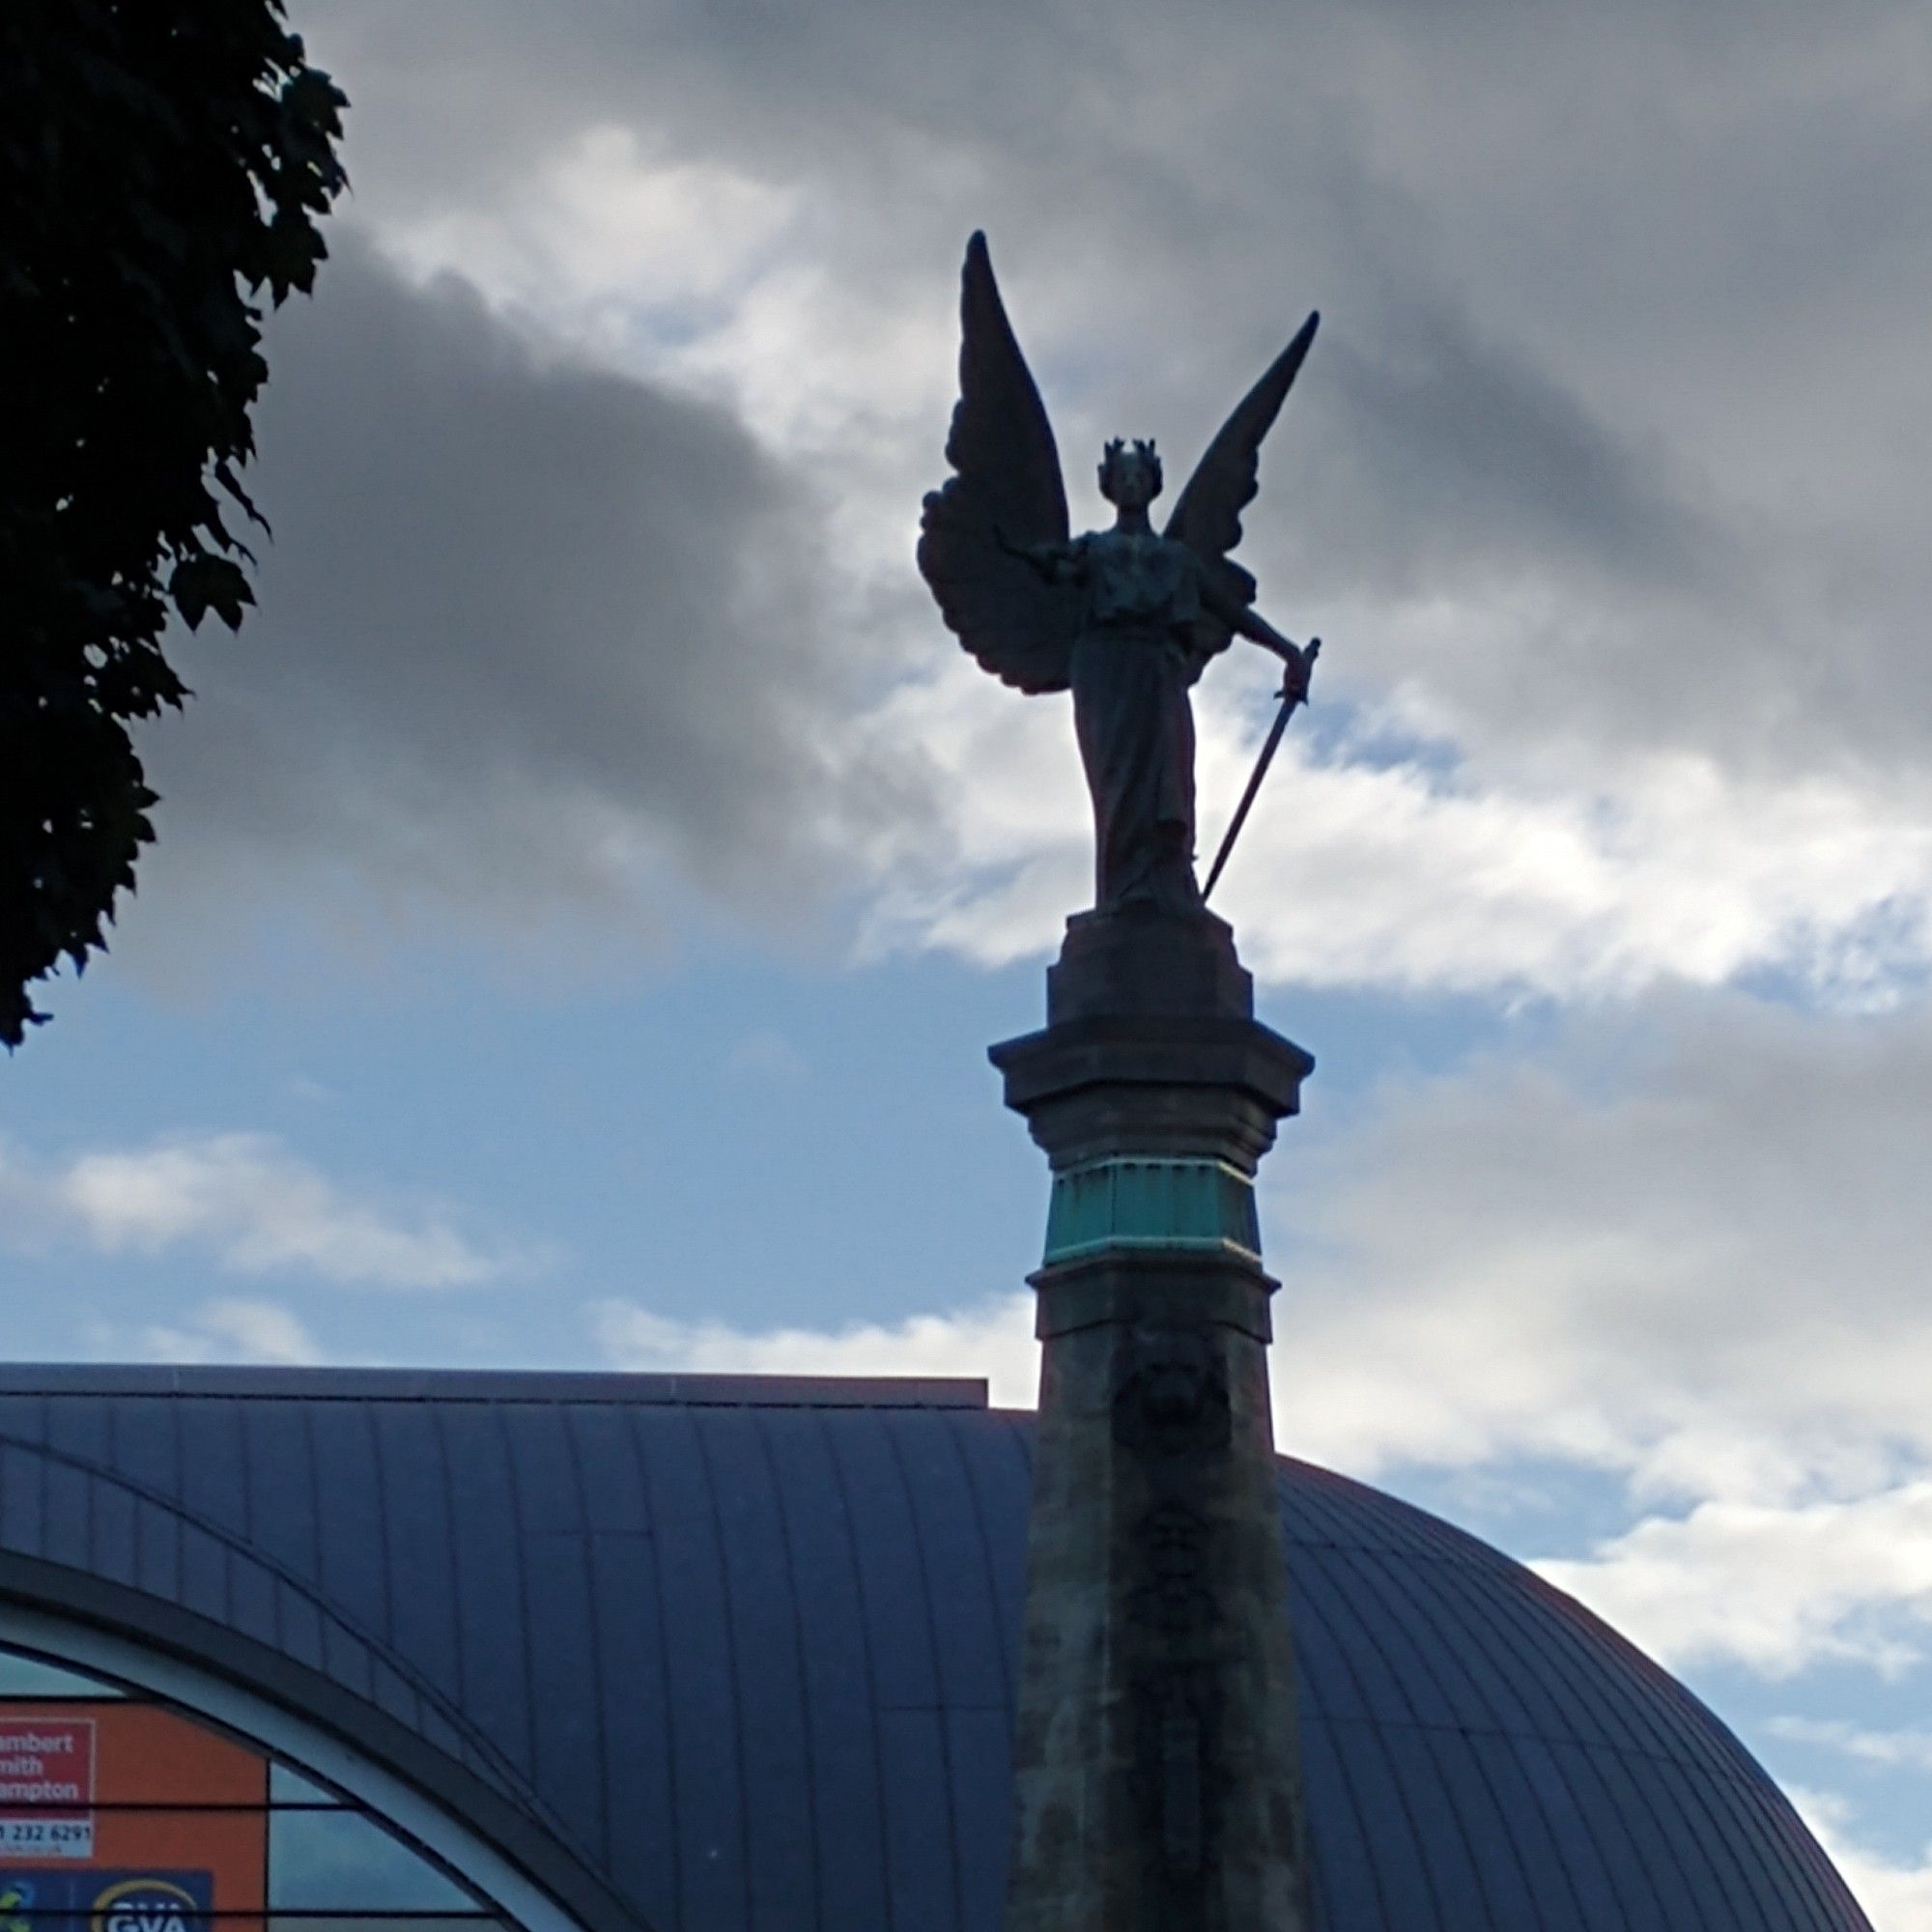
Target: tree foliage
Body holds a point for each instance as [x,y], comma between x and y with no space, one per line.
[162,166]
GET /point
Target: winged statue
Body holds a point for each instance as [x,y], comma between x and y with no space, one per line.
[1127,618]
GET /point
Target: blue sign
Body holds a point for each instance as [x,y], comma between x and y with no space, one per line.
[50,1898]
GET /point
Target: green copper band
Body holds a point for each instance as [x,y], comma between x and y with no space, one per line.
[1137,1203]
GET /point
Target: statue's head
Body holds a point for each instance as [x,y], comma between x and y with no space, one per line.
[1130,477]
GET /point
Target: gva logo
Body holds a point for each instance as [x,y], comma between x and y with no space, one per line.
[146,1905]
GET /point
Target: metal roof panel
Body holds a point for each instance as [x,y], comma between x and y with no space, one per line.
[744,1648]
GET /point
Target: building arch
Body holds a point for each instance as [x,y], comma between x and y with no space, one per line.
[295,1716]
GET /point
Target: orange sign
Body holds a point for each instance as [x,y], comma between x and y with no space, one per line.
[121,1817]
[46,1786]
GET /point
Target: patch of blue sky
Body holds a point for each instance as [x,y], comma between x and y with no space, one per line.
[1889,1799]
[1876,963]
[1336,731]
[658,333]
[857,1162]
[729,1136]
[1532,1506]
[1365,1040]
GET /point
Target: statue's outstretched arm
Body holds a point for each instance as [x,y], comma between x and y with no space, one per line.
[1056,562]
[1245,621]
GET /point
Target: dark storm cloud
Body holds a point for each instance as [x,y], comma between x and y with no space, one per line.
[1502,472]
[1626,304]
[529,632]
[1615,442]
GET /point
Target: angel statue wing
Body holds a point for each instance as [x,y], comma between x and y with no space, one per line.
[1208,517]
[1007,492]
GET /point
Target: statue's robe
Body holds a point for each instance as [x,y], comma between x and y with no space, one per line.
[1133,664]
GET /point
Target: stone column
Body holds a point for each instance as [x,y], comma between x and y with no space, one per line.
[1155,1761]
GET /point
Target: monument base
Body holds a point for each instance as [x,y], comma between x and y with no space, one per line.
[1142,961]
[1157,1773]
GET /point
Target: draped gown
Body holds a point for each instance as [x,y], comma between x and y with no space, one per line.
[1133,664]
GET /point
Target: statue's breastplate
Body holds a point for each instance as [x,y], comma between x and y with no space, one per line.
[1145,581]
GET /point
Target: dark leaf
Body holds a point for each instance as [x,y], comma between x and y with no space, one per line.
[157,164]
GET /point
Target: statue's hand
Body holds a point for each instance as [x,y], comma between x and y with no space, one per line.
[1295,671]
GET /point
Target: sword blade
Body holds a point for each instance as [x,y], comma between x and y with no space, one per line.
[1241,811]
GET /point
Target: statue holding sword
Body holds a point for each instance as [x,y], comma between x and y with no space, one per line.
[1125,618]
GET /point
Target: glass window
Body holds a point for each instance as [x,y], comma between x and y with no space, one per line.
[321,1858]
[25,1676]
[118,1813]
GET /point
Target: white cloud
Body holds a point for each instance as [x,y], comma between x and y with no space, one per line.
[1691,1250]
[623,248]
[994,1339]
[1910,1751]
[1897,1897]
[1775,1589]
[247,1201]
[235,1330]
[1431,873]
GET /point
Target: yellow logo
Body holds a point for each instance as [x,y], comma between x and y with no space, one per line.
[146,1905]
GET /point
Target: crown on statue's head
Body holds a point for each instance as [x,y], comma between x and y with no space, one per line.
[1116,452]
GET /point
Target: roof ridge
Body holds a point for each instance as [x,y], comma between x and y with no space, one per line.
[498,1385]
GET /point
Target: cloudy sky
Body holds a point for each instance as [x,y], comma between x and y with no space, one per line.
[588,887]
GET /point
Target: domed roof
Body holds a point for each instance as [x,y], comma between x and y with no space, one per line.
[718,1651]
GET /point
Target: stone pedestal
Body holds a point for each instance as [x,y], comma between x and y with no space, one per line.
[1155,1765]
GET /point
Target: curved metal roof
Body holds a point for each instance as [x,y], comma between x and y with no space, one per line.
[739,1652]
